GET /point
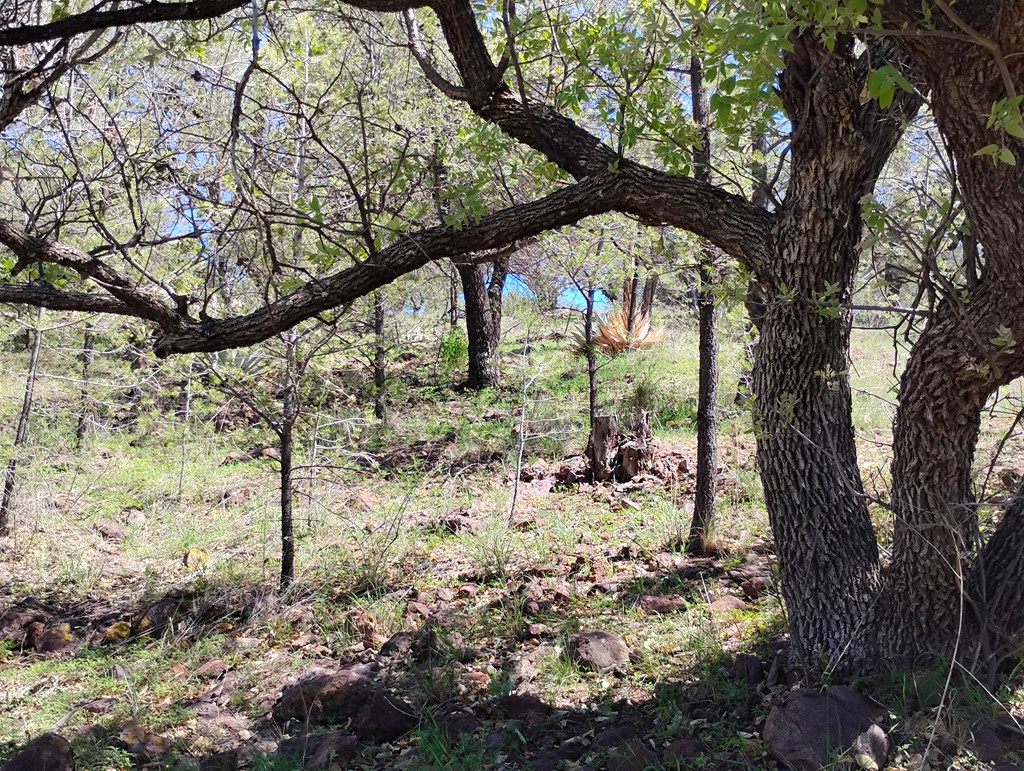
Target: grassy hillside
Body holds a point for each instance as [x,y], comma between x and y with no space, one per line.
[156,544]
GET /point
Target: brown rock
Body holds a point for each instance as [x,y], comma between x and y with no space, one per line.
[682,749]
[384,718]
[444,594]
[598,650]
[662,603]
[398,644]
[48,752]
[748,668]
[458,724]
[632,756]
[147,746]
[339,695]
[459,523]
[99,706]
[155,618]
[214,668]
[15,627]
[418,609]
[134,517]
[237,497]
[754,587]
[321,751]
[872,744]
[728,604]
[524,706]
[109,531]
[561,594]
[466,591]
[534,631]
[810,729]
[54,638]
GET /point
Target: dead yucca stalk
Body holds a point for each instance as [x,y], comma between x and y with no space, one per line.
[615,335]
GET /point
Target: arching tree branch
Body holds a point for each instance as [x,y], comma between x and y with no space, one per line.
[95,19]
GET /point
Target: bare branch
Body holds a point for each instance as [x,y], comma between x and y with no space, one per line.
[29,249]
[42,295]
[95,19]
[565,207]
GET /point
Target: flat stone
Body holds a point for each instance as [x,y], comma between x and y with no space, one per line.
[811,728]
[109,531]
[399,644]
[598,650]
[662,603]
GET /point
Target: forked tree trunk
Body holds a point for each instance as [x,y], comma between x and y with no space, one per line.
[21,431]
[942,600]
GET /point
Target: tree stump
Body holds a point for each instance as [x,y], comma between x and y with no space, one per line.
[604,441]
[635,456]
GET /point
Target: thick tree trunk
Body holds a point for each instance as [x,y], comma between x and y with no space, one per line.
[935,524]
[941,602]
[495,296]
[996,594]
[21,432]
[828,555]
[480,328]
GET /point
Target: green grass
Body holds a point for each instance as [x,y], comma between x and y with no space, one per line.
[369,499]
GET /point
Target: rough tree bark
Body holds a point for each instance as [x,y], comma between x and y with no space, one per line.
[483,319]
[707,314]
[941,600]
[828,555]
